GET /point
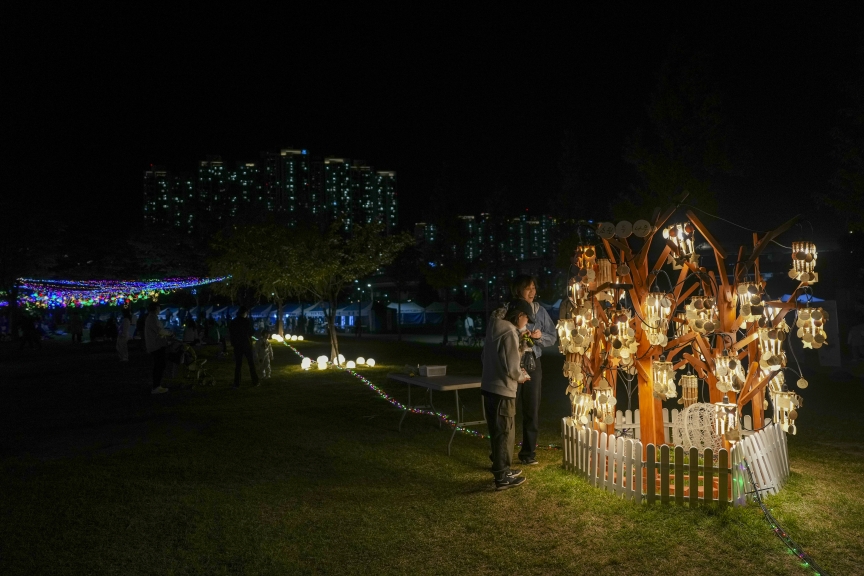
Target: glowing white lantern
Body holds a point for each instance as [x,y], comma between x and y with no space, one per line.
[370,362]
[277,338]
[604,276]
[729,373]
[683,237]
[294,337]
[750,299]
[810,323]
[350,364]
[322,358]
[771,354]
[341,359]
[299,338]
[701,314]
[306,363]
[689,390]
[656,318]
[584,257]
[361,361]
[322,365]
[804,262]
[681,325]
[663,374]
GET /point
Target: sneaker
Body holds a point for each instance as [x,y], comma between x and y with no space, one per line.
[514,473]
[509,482]
[159,390]
[529,461]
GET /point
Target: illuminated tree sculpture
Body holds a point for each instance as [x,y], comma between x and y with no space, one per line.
[713,324]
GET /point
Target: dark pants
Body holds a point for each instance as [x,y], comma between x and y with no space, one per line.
[239,354]
[529,394]
[500,417]
[158,366]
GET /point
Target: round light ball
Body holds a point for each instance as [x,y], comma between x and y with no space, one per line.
[322,359]
[322,365]
[277,338]
[350,364]
[300,338]
[306,363]
[370,362]
[361,360]
[293,338]
[341,359]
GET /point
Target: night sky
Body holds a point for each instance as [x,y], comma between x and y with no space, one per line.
[99,96]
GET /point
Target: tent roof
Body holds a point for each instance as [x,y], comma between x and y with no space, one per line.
[557,304]
[407,307]
[351,310]
[803,299]
[438,307]
[479,306]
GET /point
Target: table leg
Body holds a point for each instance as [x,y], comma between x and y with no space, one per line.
[407,408]
[458,421]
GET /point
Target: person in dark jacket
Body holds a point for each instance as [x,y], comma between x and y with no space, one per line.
[240,329]
[502,377]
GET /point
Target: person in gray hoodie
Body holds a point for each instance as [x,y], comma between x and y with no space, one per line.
[502,375]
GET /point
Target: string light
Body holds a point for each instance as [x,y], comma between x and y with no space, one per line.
[79,293]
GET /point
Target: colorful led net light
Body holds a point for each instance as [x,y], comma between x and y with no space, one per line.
[78,293]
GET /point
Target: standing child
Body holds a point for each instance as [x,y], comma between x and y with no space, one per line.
[264,354]
[502,376]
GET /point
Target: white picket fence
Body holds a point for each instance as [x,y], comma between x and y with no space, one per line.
[629,421]
[675,474]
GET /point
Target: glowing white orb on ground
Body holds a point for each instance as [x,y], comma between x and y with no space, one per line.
[300,338]
[277,338]
[293,338]
[323,359]
[322,365]
[306,363]
[370,362]
[361,361]
[350,364]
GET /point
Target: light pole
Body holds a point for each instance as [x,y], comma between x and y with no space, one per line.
[371,302]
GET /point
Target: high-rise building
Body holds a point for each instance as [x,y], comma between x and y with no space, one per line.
[470,232]
[158,197]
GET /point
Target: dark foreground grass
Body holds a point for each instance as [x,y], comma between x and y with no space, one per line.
[308,475]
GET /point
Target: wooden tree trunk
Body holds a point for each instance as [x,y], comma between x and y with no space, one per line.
[331,330]
[280,329]
[444,320]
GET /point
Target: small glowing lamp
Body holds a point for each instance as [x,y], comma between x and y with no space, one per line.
[786,406]
[604,404]
[361,361]
[350,364]
[701,313]
[370,362]
[750,301]
[681,325]
[306,363]
[811,327]
[621,337]
[321,359]
[341,359]
[294,337]
[729,373]
[277,338]
[771,339]
[683,237]
[299,338]
[604,276]
[804,262]
[664,379]
[689,390]
[726,420]
[582,404]
[656,318]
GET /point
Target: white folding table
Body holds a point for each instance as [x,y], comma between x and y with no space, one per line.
[442,384]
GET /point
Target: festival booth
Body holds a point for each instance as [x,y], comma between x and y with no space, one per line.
[435,311]
[348,315]
[674,329]
[554,310]
[262,311]
[410,313]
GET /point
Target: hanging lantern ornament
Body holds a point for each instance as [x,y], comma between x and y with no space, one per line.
[811,327]
[786,406]
[726,420]
[582,403]
[656,317]
[621,338]
[689,390]
[750,300]
[663,374]
[575,375]
[681,325]
[771,339]
[701,314]
[804,262]
[729,373]
[604,276]
[682,238]
[604,404]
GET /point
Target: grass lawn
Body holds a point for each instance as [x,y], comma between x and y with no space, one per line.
[308,474]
